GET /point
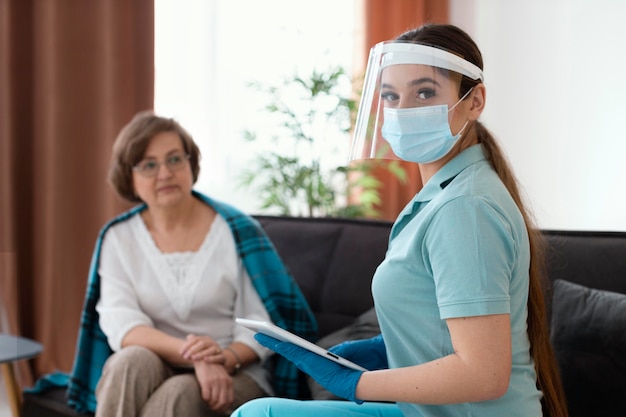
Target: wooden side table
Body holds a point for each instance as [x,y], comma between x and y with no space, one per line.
[13,349]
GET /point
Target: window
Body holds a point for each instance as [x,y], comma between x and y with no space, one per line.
[206,54]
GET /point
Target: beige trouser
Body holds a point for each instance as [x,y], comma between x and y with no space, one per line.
[136,382]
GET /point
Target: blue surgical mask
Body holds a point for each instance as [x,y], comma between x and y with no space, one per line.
[420,134]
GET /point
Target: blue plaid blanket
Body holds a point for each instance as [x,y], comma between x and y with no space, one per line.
[277,289]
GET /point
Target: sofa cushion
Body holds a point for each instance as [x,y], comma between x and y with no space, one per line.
[588,332]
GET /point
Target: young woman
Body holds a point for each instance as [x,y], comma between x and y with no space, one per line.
[458,296]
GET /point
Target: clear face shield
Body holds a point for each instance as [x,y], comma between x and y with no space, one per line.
[408,102]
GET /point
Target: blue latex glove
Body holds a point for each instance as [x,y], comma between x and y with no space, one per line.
[369,353]
[336,378]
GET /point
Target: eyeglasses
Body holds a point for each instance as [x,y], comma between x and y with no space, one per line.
[174,162]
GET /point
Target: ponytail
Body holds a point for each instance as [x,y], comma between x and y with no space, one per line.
[548,374]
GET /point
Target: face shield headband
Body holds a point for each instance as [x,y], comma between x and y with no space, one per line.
[368,141]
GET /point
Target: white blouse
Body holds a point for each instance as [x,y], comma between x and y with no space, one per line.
[177,293]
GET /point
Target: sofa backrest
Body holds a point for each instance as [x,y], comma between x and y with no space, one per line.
[333,261]
[593,259]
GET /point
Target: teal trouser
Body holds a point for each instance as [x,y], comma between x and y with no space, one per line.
[282,407]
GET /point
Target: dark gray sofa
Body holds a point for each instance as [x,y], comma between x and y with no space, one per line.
[333,261]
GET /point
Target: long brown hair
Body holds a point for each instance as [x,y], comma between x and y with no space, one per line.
[455,40]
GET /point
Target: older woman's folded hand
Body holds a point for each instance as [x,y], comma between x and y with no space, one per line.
[202,348]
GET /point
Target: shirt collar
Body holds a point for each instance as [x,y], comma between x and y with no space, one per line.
[451,169]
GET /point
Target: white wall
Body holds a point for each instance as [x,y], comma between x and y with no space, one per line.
[556,90]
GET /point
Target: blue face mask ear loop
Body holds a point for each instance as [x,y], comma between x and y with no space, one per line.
[458,135]
[460,100]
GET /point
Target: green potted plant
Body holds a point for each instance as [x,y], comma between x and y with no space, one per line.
[304,169]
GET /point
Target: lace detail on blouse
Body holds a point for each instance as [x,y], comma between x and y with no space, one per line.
[179,263]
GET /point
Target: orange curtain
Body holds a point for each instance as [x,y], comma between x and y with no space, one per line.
[381,20]
[72,73]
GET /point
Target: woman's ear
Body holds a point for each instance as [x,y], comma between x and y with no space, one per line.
[478,98]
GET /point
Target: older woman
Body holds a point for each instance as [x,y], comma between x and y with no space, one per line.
[172,274]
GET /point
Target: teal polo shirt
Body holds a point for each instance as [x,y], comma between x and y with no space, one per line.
[458,249]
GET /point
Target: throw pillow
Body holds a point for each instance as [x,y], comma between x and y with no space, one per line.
[588,332]
[364,327]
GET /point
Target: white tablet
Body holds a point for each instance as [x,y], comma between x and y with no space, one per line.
[283,335]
